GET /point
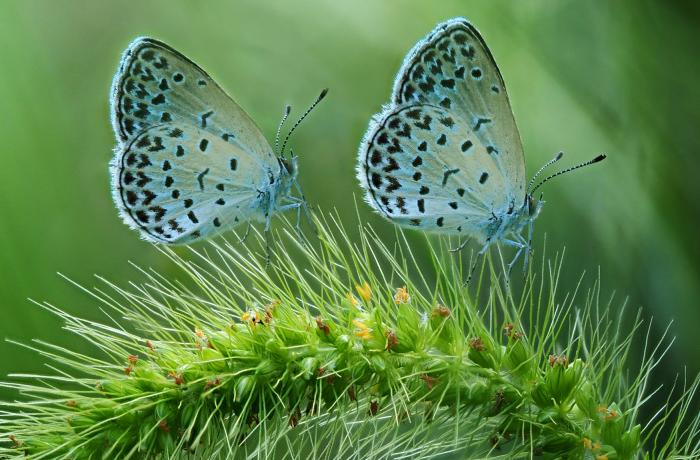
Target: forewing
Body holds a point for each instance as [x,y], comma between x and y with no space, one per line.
[453,68]
[423,167]
[179,183]
[155,84]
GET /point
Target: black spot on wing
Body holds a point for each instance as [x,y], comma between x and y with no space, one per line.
[447,174]
[376,180]
[394,184]
[205,116]
[480,122]
[200,178]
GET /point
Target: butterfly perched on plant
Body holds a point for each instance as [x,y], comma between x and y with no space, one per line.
[445,154]
[189,162]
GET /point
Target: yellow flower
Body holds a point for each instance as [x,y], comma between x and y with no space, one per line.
[587,443]
[402,296]
[362,331]
[352,299]
[251,315]
[364,291]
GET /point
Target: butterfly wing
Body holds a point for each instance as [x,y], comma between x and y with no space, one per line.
[424,167]
[155,84]
[189,161]
[179,183]
[453,68]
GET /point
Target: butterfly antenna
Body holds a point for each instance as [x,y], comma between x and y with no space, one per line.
[545,166]
[308,111]
[600,157]
[287,110]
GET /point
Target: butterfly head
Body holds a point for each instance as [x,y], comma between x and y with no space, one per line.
[287,173]
[533,206]
[288,166]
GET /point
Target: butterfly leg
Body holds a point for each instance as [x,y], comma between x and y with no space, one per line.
[529,244]
[268,220]
[461,246]
[305,205]
[245,236]
[298,205]
[476,260]
[521,245]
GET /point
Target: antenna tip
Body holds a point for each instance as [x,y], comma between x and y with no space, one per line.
[559,155]
[287,110]
[600,157]
[323,94]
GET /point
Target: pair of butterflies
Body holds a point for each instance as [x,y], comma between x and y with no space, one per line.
[445,155]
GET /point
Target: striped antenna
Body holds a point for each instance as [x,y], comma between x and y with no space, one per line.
[287,110]
[545,166]
[600,157]
[308,111]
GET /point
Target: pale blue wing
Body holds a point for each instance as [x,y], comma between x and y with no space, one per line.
[453,68]
[178,183]
[424,167]
[155,84]
[189,161]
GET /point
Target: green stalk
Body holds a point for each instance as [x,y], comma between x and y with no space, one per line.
[344,349]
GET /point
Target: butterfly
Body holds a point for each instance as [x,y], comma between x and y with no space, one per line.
[189,162]
[445,154]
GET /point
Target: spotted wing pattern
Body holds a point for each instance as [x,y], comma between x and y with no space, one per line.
[446,153]
[189,161]
[415,179]
[179,183]
[156,84]
[454,69]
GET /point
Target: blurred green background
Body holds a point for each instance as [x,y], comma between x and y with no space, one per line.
[584,77]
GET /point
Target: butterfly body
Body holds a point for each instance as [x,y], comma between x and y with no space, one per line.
[189,162]
[445,154]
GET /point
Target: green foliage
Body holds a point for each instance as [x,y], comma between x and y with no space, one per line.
[355,352]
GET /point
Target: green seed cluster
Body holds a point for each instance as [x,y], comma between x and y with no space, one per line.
[341,350]
[283,363]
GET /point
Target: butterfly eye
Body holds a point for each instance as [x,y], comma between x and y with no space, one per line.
[287,165]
